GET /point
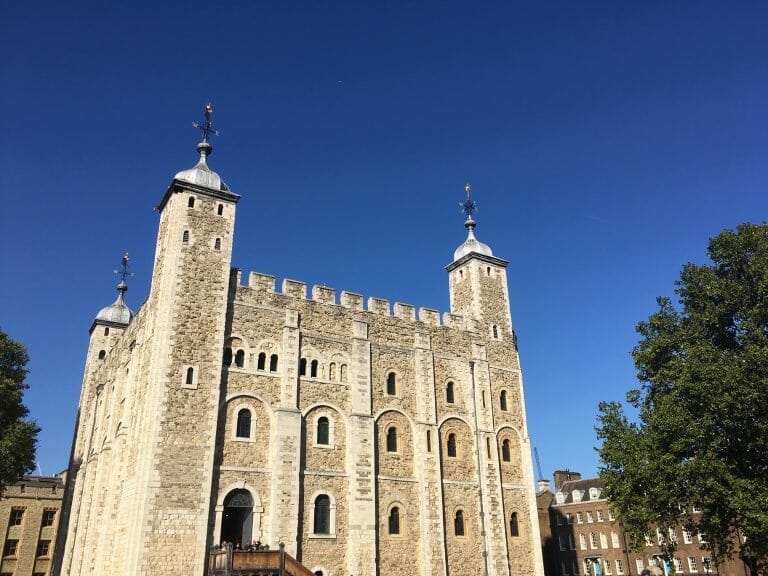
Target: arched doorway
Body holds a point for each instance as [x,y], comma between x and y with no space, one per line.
[237,520]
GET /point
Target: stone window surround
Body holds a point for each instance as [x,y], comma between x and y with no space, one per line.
[243,405]
[195,374]
[316,415]
[331,519]
[398,383]
[258,510]
[401,520]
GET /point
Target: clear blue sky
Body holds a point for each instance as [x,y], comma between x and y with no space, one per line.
[605,142]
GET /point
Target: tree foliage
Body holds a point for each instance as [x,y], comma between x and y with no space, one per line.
[18,436]
[700,434]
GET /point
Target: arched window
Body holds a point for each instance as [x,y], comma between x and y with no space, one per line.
[449,397]
[273,363]
[323,431]
[243,423]
[495,332]
[343,371]
[106,330]
[190,376]
[303,367]
[503,400]
[514,528]
[458,523]
[392,439]
[185,236]
[220,211]
[452,445]
[240,358]
[332,371]
[394,520]
[488,447]
[191,202]
[322,515]
[592,540]
[262,361]
[102,354]
[313,369]
[391,384]
[227,356]
[237,517]
[217,244]
[615,539]
[488,271]
[505,451]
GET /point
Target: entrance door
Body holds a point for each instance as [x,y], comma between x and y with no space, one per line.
[237,520]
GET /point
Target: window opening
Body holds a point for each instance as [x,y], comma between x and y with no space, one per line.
[240,358]
[190,376]
[394,520]
[220,210]
[237,518]
[505,451]
[449,397]
[323,426]
[503,400]
[322,515]
[227,356]
[429,441]
[514,528]
[392,439]
[262,361]
[273,363]
[102,354]
[343,372]
[244,423]
[452,445]
[303,367]
[217,244]
[191,202]
[495,332]
[483,398]
[332,372]
[458,523]
[17,515]
[313,369]
[488,447]
[391,384]
[185,237]
[48,517]
[106,330]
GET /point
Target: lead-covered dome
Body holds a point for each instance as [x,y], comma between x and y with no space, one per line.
[201,174]
[117,312]
[471,244]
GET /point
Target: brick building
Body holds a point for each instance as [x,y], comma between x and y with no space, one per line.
[29,516]
[587,538]
[372,439]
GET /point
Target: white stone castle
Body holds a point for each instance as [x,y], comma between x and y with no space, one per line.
[371,440]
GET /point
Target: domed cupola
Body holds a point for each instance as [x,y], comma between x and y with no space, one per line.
[117,313]
[471,244]
[201,174]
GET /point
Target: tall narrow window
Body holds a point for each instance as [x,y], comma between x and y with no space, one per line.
[391,384]
[190,376]
[262,361]
[503,400]
[106,330]
[17,516]
[185,237]
[227,360]
[495,332]
[452,445]
[273,363]
[322,515]
[429,441]
[449,397]
[514,528]
[458,523]
[243,423]
[394,520]
[488,447]
[102,354]
[343,370]
[483,398]
[392,439]
[240,358]
[303,367]
[505,451]
[220,210]
[313,369]
[191,202]
[217,244]
[332,372]
[322,431]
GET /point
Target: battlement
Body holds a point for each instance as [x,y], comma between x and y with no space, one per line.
[266,284]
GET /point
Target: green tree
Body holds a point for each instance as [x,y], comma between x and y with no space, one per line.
[698,431]
[18,436]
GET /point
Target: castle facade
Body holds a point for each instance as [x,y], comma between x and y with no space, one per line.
[372,439]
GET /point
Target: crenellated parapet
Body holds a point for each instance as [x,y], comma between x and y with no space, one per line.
[266,284]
